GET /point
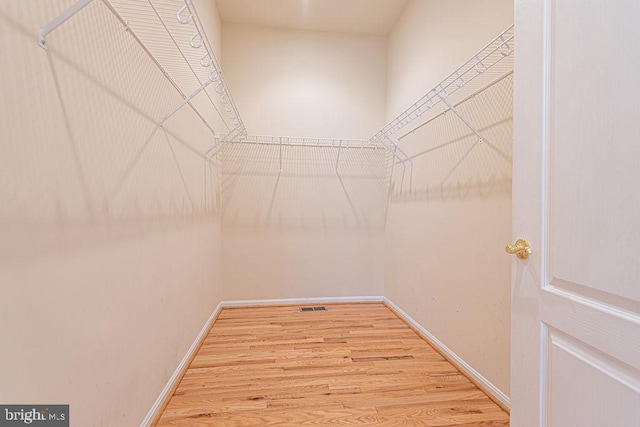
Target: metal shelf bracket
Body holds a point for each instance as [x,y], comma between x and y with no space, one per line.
[59,20]
[442,94]
[185,102]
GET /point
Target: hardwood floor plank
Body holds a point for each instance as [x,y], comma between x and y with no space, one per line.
[354,364]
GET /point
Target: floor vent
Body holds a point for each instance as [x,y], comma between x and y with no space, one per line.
[313,308]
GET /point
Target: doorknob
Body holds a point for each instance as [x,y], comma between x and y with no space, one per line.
[522,249]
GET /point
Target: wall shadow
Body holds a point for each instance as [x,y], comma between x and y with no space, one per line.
[449,161]
[81,141]
[300,187]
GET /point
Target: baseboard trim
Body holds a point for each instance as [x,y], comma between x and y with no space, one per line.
[295,301]
[153,416]
[478,379]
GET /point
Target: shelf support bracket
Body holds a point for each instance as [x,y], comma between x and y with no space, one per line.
[460,116]
[394,148]
[184,102]
[59,20]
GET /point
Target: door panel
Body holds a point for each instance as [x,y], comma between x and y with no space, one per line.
[594,100]
[605,389]
[576,300]
[606,328]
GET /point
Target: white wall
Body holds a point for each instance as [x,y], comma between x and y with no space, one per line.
[306,83]
[305,232]
[110,232]
[445,260]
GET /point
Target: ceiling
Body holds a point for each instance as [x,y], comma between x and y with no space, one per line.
[365,17]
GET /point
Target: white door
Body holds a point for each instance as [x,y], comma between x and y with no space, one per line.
[576,194]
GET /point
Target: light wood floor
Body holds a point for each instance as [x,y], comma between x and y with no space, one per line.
[355,364]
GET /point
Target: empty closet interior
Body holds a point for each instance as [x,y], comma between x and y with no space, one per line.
[163,157]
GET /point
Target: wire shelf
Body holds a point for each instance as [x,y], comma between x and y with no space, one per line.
[173,34]
[313,142]
[490,64]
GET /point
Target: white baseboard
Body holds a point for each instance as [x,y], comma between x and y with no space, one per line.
[176,374]
[293,301]
[488,386]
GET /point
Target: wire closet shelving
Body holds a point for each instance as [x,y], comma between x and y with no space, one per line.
[490,64]
[172,34]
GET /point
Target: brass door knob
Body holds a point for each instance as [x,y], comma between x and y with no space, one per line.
[521,248]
